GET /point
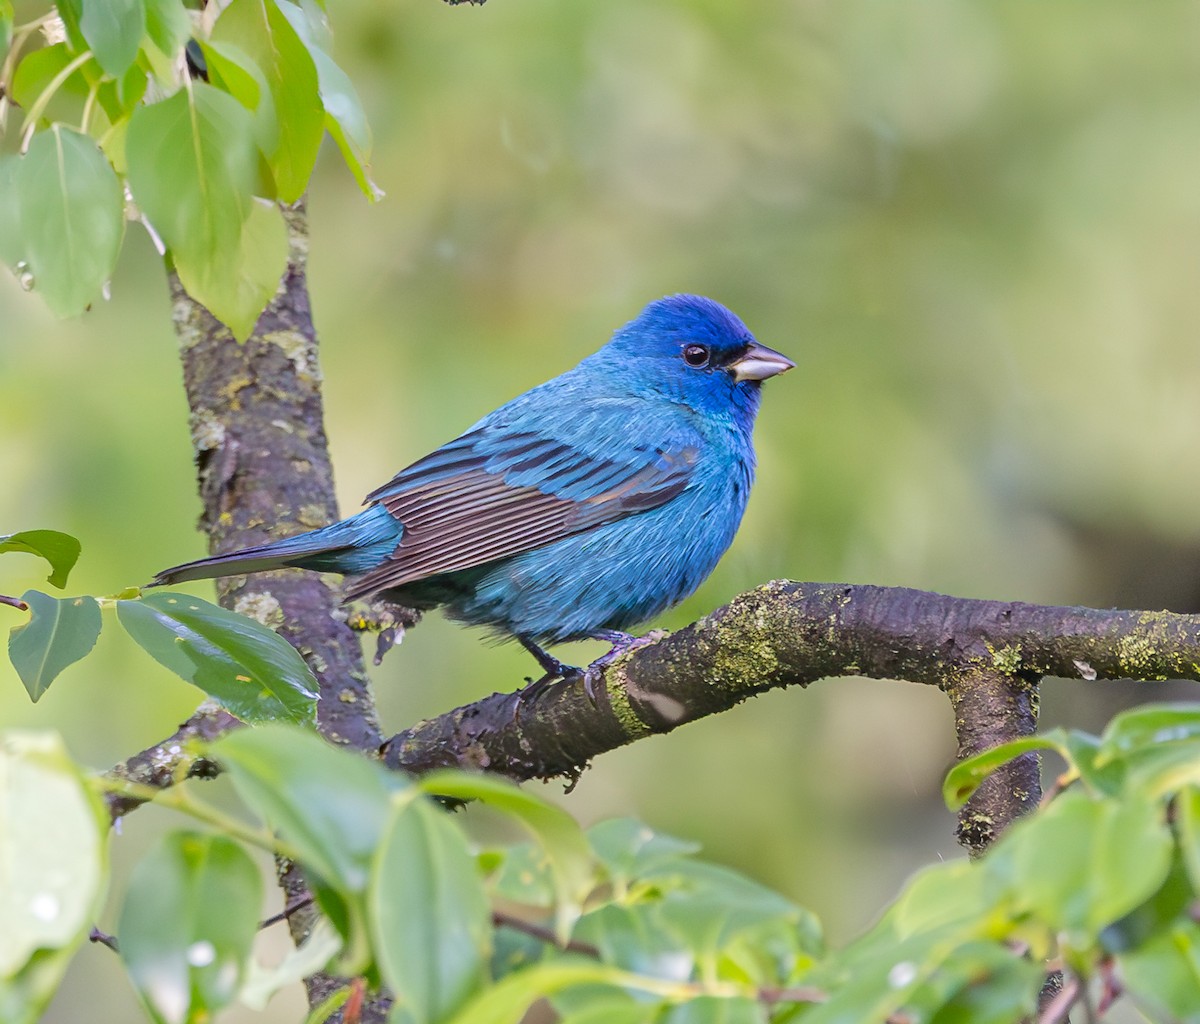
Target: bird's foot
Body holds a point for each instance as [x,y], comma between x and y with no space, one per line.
[622,644]
[553,668]
[554,671]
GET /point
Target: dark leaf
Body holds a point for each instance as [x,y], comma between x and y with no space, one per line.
[429,917]
[251,670]
[561,840]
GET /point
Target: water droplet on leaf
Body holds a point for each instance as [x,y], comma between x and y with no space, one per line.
[44,906]
[24,275]
[201,954]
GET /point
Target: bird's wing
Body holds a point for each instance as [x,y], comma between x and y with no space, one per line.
[495,492]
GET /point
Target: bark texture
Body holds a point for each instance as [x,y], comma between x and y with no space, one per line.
[262,459]
[989,657]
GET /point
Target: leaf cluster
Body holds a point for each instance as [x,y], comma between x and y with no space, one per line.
[193,125]
[248,669]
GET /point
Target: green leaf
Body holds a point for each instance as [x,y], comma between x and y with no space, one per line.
[429,916]
[637,939]
[321,946]
[607,1013]
[261,30]
[59,632]
[252,671]
[34,74]
[1163,976]
[716,1010]
[119,97]
[189,919]
[1154,748]
[237,289]
[965,777]
[61,550]
[562,841]
[519,874]
[870,979]
[507,1001]
[602,1004]
[1187,823]
[71,12]
[235,71]
[6,27]
[1082,863]
[628,849]
[193,165]
[345,118]
[330,804]
[71,218]
[1140,728]
[710,906]
[113,29]
[982,983]
[1157,914]
[944,894]
[10,211]
[53,869]
[167,25]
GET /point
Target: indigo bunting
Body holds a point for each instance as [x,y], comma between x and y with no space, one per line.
[578,509]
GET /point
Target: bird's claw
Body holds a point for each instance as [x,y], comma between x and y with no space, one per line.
[591,676]
[622,644]
[534,691]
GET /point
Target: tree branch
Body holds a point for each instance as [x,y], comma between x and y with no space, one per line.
[172,760]
[987,655]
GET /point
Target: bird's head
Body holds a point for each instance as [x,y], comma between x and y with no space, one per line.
[693,350]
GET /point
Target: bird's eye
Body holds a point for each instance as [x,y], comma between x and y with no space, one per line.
[696,355]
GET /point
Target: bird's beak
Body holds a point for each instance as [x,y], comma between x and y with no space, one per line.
[758,363]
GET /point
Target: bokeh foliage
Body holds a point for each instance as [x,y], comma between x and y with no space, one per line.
[973,225]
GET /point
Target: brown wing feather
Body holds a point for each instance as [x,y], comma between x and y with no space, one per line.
[474,517]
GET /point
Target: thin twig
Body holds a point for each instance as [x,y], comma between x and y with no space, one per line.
[14,602]
[286,912]
[798,994]
[542,934]
[1112,989]
[104,939]
[1057,1009]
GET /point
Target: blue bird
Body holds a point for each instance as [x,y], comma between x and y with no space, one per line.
[584,506]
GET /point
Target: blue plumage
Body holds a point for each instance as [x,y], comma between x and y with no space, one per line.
[584,506]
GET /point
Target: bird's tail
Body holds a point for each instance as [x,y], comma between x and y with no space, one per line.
[350,546]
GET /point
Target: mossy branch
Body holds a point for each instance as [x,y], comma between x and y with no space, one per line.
[988,656]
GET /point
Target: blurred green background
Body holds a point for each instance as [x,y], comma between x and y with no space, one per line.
[976,229]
